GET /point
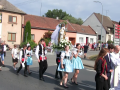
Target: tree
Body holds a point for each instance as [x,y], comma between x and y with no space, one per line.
[56,13]
[63,15]
[27,34]
[73,20]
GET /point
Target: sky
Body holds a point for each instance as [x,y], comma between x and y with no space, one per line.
[77,8]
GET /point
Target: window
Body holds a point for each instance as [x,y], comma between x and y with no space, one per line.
[13,19]
[81,40]
[91,40]
[12,37]
[99,37]
[32,37]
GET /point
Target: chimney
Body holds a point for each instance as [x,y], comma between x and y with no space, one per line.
[57,18]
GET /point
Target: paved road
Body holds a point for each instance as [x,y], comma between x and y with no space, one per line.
[10,81]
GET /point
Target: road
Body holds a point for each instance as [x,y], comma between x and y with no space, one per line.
[10,81]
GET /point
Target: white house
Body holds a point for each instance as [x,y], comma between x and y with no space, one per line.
[94,21]
[85,34]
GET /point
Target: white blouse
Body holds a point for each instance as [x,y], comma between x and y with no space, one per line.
[15,53]
[28,52]
[64,53]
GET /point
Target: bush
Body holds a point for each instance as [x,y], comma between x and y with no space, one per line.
[32,44]
[109,42]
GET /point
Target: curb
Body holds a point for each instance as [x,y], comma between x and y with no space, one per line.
[88,66]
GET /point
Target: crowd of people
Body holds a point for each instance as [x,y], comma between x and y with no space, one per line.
[96,46]
[106,65]
[107,68]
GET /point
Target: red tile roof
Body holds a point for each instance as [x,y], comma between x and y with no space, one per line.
[50,23]
[84,29]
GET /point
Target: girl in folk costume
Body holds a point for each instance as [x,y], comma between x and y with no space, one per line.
[101,71]
[15,56]
[29,58]
[77,63]
[65,65]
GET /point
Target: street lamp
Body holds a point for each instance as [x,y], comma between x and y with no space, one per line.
[102,21]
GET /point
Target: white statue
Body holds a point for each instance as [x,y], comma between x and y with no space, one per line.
[62,34]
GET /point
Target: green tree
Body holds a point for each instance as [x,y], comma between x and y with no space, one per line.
[73,20]
[56,13]
[64,16]
[27,33]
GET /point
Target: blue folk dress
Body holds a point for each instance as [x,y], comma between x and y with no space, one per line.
[77,62]
[29,59]
[67,62]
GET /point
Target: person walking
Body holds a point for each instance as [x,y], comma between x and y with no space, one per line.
[109,63]
[2,53]
[42,59]
[65,65]
[23,62]
[29,59]
[101,71]
[5,48]
[15,57]
[85,50]
[77,64]
[58,54]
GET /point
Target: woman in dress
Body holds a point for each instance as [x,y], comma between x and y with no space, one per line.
[77,63]
[29,58]
[65,65]
[101,71]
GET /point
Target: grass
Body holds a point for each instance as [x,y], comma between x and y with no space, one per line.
[94,57]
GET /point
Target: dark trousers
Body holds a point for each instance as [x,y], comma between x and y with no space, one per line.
[25,69]
[42,68]
[101,83]
[4,54]
[108,81]
[60,73]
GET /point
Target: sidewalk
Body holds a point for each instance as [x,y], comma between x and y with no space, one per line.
[88,63]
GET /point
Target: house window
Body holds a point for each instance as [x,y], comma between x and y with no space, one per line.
[81,39]
[91,40]
[12,37]
[13,19]
[99,37]
[32,37]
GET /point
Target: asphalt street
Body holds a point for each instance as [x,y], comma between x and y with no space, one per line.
[10,81]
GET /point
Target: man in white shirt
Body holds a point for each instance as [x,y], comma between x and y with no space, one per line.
[14,56]
[115,75]
[23,62]
[5,49]
[42,59]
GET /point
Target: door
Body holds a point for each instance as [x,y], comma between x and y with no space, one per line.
[72,40]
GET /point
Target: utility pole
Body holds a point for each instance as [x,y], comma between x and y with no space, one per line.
[40,8]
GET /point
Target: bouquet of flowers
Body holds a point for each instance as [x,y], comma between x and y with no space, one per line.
[61,45]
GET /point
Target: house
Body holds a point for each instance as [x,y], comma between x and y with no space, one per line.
[11,20]
[85,34]
[94,21]
[40,25]
[75,33]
